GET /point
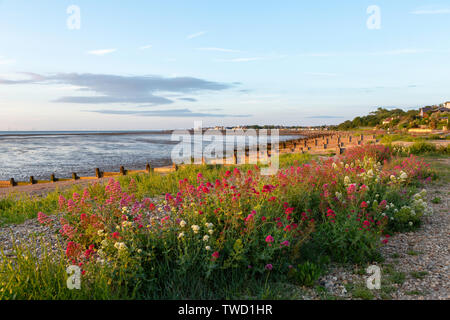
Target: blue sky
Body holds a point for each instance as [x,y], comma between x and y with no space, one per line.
[165,64]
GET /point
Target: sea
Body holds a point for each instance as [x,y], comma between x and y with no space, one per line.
[42,153]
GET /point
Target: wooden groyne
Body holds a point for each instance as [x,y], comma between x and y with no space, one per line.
[328,142]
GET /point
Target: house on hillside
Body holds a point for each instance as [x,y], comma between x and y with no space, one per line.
[445,107]
[387,121]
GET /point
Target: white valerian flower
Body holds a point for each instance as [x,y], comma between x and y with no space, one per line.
[120,246]
[334,165]
[347,180]
[210,231]
[403,175]
[139,251]
[383,214]
[104,243]
[182,223]
[181,235]
[101,232]
[209,225]
[392,218]
[195,228]
[392,177]
[208,248]
[206,238]
[346,166]
[124,209]
[410,223]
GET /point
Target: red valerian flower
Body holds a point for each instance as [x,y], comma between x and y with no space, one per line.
[115,235]
[285,243]
[73,249]
[269,267]
[269,239]
[215,255]
[364,204]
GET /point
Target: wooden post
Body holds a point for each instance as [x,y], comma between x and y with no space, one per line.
[32,181]
[52,177]
[122,170]
[175,167]
[203,160]
[98,174]
[74,176]
[148,168]
[235,157]
[12,182]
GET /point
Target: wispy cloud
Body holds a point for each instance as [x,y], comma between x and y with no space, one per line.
[179,113]
[242,59]
[4,61]
[195,35]
[318,54]
[361,53]
[321,74]
[122,89]
[218,49]
[400,51]
[324,117]
[435,11]
[101,52]
[148,46]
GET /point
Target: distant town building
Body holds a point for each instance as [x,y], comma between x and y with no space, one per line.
[445,107]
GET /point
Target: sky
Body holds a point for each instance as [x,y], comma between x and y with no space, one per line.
[142,65]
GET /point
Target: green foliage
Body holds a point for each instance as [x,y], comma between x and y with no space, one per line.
[376,118]
[307,273]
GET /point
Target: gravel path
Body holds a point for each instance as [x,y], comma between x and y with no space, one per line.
[416,265]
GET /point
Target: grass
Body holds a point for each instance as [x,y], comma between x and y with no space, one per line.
[45,279]
[17,208]
[418,274]
[413,253]
[397,277]
[436,200]
[362,292]
[414,293]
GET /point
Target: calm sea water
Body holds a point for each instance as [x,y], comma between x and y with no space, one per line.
[39,154]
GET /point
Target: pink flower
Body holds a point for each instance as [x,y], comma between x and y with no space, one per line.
[285,243]
[363,204]
[43,218]
[269,267]
[269,239]
[73,249]
[215,255]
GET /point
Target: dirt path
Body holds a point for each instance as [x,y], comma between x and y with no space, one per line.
[40,189]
